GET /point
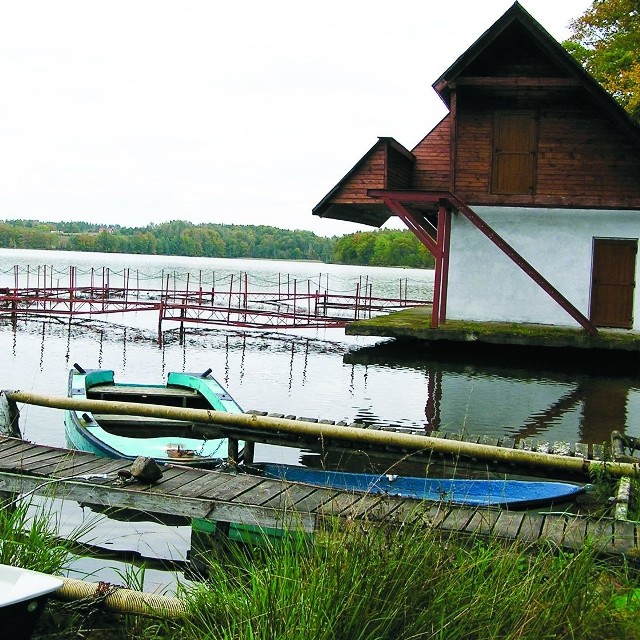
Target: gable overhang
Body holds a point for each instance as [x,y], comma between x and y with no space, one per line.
[361,208]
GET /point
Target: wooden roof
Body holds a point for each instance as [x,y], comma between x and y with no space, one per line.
[489,61]
[515,58]
[386,163]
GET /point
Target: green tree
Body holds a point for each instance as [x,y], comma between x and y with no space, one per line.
[606,41]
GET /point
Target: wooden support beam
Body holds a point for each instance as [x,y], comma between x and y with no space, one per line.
[400,197]
[518,81]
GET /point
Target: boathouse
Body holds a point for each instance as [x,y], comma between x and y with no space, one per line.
[527,192]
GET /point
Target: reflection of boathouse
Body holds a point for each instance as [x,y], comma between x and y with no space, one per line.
[518,398]
[527,192]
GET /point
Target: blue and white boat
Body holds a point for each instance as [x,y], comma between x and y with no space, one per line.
[505,493]
[23,594]
[127,436]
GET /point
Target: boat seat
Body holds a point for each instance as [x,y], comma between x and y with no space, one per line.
[169,396]
[142,427]
[145,427]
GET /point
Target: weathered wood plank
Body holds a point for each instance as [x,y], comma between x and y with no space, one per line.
[310,502]
[10,444]
[172,479]
[624,536]
[508,524]
[530,528]
[264,492]
[141,391]
[44,464]
[298,497]
[236,487]
[575,533]
[482,522]
[338,504]
[553,528]
[458,519]
[83,465]
[207,483]
[18,452]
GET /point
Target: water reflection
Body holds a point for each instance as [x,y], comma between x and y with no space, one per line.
[491,394]
[513,394]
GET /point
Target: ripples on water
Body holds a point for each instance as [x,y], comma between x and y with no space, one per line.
[321,374]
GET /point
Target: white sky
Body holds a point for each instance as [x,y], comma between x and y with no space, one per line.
[237,111]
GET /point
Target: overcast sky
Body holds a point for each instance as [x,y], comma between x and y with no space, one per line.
[240,112]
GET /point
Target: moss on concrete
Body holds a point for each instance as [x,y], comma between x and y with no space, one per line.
[415,323]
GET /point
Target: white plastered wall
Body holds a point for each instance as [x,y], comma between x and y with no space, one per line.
[486,285]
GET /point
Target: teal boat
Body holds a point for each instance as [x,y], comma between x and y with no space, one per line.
[126,436]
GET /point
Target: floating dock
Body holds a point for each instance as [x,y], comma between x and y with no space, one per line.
[234,497]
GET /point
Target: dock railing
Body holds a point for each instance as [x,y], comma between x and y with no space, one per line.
[238,300]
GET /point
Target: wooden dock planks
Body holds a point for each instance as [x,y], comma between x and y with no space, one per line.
[229,496]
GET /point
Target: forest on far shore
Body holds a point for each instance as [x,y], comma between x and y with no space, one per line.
[384,248]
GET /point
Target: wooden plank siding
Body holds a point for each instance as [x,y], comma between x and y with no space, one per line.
[368,174]
[582,155]
[399,169]
[431,169]
[584,150]
[473,153]
[583,160]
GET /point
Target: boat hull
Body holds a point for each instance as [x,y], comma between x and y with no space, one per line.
[128,437]
[23,595]
[514,494]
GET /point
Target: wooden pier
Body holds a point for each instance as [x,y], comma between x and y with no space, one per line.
[223,496]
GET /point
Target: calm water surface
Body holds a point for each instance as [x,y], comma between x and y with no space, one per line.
[319,373]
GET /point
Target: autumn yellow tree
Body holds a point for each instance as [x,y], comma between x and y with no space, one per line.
[606,41]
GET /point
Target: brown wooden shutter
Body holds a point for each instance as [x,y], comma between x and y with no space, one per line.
[613,282]
[514,152]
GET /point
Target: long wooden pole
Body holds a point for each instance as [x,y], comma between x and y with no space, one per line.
[250,422]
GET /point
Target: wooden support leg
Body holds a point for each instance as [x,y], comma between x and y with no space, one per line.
[248,452]
[232,452]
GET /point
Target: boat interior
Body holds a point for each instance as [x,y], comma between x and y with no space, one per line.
[148,427]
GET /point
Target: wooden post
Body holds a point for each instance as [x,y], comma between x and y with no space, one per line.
[160,316]
[233,451]
[248,452]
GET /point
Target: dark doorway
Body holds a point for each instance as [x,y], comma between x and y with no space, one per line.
[613,282]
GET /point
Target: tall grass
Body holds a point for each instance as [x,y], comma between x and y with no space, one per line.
[407,583]
[28,537]
[359,582]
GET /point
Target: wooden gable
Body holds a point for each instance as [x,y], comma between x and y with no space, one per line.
[387,165]
[531,127]
[527,126]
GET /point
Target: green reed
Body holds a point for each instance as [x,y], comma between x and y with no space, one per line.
[28,537]
[370,582]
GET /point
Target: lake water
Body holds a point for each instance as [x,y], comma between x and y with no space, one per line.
[312,373]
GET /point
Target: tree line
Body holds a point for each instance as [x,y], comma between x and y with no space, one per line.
[180,238]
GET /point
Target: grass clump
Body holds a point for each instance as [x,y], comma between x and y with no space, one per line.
[28,538]
[407,583]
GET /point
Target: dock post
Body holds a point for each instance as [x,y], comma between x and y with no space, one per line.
[160,315]
[232,451]
[248,452]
